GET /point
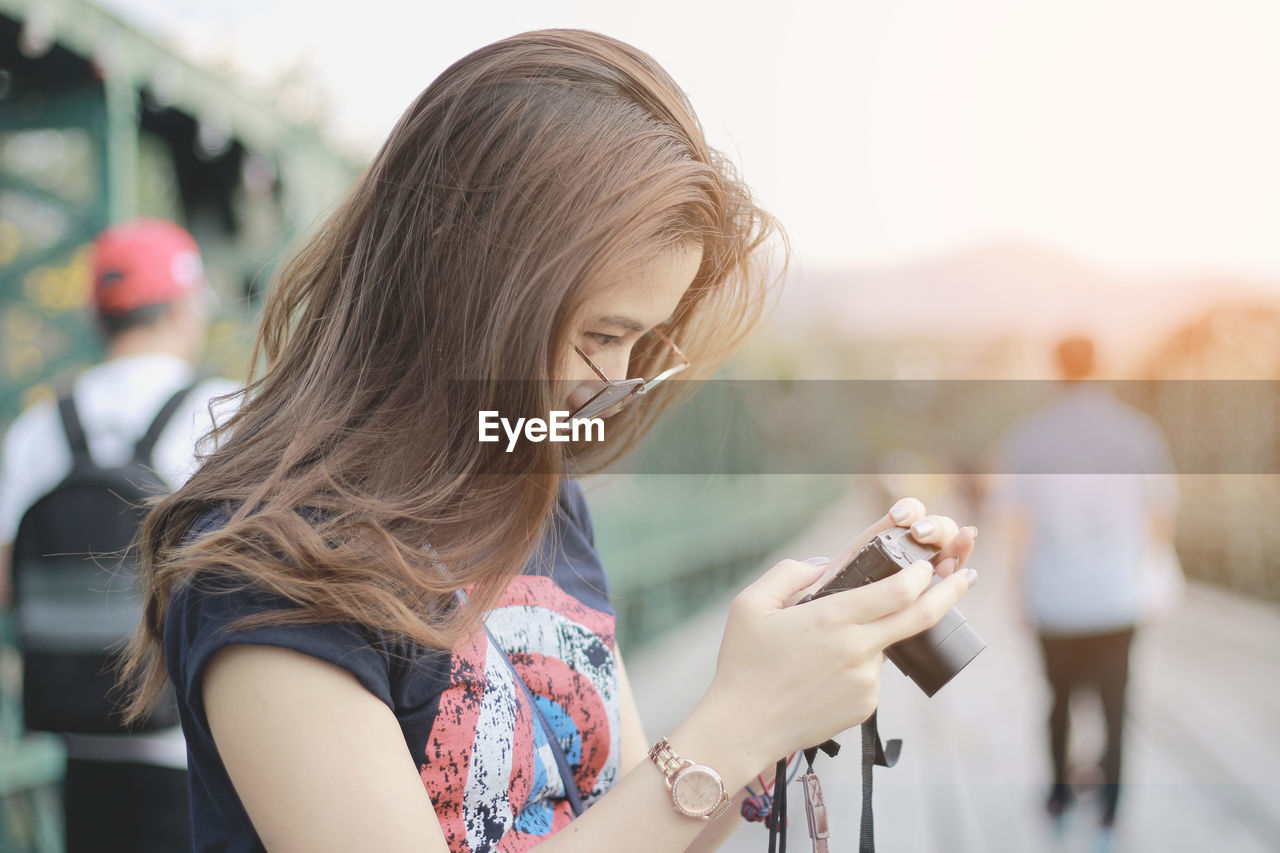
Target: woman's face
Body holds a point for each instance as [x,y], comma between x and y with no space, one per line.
[617,316]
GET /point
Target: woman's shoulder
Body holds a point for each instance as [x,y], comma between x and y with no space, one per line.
[573,503]
[567,556]
[210,519]
[209,610]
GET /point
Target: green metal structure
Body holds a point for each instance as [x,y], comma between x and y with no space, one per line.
[100,123]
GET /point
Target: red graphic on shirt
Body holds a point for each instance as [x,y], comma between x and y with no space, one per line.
[492,787]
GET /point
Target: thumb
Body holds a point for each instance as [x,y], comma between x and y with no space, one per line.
[779,586]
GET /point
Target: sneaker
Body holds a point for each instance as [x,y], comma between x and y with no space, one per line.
[1059,799]
[1106,841]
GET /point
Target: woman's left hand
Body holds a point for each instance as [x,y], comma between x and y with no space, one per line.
[957,544]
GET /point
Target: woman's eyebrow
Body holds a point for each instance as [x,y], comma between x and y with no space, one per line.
[628,323]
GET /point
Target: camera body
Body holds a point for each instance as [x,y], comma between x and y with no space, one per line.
[934,656]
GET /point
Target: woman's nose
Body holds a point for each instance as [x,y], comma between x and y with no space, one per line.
[615,363]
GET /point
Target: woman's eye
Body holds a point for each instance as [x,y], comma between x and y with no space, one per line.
[604,340]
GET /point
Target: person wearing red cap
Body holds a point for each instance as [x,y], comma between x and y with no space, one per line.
[147,263]
[151,301]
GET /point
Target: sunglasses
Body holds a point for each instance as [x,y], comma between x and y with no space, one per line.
[618,391]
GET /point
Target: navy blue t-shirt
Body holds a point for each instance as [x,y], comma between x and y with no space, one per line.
[481,752]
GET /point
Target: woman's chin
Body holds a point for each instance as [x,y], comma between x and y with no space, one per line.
[605,415]
[608,413]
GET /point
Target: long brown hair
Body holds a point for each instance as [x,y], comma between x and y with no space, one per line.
[529,173]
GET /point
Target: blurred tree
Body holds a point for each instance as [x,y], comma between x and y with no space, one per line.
[1223,535]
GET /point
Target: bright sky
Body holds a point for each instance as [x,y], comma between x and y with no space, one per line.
[1141,135]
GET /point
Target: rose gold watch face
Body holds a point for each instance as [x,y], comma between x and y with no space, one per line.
[697,791]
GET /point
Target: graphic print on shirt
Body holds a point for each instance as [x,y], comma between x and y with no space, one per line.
[487,766]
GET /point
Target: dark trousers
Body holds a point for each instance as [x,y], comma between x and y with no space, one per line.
[124,807]
[1101,662]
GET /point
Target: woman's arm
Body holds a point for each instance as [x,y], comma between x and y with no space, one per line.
[635,751]
[321,765]
[633,742]
[318,761]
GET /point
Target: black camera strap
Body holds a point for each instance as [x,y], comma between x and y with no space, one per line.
[874,753]
[777,822]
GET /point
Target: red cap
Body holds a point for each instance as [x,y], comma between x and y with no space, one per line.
[144,262]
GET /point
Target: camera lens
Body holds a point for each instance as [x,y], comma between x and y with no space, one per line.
[933,657]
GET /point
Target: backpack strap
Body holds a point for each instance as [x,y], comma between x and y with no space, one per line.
[73,427]
[146,444]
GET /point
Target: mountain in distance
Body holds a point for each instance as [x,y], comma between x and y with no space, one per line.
[1002,290]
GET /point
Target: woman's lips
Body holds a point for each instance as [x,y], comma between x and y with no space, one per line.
[584,393]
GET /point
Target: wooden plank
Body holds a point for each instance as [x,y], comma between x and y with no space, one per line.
[1202,759]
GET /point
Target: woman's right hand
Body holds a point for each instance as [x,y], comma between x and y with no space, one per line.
[789,677]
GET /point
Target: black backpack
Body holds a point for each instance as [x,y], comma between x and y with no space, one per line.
[75,587]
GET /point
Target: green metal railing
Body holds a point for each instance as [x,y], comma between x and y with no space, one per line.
[671,544]
[32,765]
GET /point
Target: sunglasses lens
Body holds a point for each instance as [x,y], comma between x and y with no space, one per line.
[609,396]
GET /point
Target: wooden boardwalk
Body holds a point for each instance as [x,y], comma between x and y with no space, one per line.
[1202,756]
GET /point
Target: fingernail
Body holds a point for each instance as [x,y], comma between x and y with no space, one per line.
[818,561]
[901,510]
[922,529]
[973,531]
[970,577]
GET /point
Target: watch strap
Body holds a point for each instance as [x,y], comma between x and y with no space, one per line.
[725,802]
[667,760]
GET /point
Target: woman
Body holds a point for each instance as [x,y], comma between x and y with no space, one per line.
[546,210]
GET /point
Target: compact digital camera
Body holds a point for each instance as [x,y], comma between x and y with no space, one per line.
[934,656]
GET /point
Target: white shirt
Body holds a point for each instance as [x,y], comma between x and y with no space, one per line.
[116,401]
[1089,532]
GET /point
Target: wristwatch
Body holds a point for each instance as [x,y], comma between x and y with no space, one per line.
[696,790]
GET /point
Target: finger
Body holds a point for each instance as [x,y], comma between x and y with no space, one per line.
[904,513]
[779,586]
[925,611]
[936,530]
[828,571]
[957,553]
[953,557]
[874,601]
[946,567]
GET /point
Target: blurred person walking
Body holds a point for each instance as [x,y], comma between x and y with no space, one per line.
[68,468]
[1088,498]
